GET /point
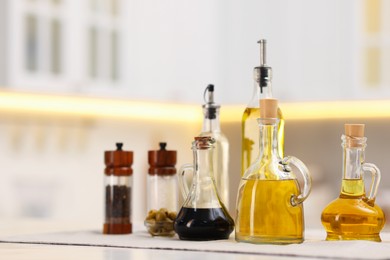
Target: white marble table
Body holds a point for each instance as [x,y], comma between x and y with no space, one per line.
[34,240]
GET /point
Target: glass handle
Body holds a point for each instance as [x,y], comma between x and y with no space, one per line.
[295,200]
[182,182]
[376,178]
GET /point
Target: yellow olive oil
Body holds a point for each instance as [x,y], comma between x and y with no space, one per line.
[250,136]
[352,216]
[265,213]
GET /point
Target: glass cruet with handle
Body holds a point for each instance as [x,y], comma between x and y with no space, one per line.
[203,216]
[354,214]
[269,202]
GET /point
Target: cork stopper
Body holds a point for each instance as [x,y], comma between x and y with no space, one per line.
[268,108]
[203,142]
[354,136]
[354,130]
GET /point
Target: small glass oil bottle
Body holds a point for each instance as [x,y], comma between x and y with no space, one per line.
[249,126]
[118,182]
[269,203]
[353,215]
[211,127]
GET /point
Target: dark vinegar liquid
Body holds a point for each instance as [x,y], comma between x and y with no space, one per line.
[203,224]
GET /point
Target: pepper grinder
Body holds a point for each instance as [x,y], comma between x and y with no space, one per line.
[118,183]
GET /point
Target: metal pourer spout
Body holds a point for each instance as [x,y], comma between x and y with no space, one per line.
[263,51]
[210,107]
[210,94]
[263,73]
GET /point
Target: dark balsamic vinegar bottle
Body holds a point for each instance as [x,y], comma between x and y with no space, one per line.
[203,216]
[118,182]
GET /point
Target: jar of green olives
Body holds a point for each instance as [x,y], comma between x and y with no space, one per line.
[162,192]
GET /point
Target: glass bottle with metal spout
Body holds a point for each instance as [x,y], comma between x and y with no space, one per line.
[269,203]
[203,216]
[354,215]
[211,127]
[249,126]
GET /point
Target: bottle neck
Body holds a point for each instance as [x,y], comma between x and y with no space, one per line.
[211,124]
[264,92]
[203,192]
[268,145]
[353,158]
[203,163]
[259,92]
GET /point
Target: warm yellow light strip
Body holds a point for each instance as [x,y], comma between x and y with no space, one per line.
[321,110]
[97,107]
[15,102]
[337,109]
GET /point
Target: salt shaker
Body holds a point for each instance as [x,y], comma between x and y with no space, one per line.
[118,183]
[162,192]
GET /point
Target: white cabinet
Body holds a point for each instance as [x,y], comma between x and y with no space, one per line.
[170,50]
[61,45]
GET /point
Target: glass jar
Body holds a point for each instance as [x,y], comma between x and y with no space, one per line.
[118,183]
[162,192]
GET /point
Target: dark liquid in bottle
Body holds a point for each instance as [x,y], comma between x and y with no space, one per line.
[203,224]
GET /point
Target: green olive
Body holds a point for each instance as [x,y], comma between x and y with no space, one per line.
[160,216]
[172,215]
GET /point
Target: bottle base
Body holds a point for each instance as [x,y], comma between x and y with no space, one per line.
[269,240]
[203,224]
[117,229]
[205,233]
[203,238]
[369,237]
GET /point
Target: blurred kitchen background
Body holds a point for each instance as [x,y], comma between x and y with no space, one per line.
[78,76]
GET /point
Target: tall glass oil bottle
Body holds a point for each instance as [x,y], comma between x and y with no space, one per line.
[269,202]
[353,215]
[211,127]
[249,126]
